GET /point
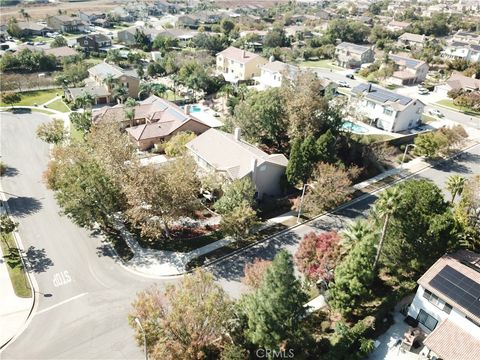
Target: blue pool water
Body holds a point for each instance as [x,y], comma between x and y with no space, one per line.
[349,126]
[195,108]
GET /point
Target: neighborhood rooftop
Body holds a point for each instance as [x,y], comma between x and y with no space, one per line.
[406,61]
[103,70]
[239,55]
[359,49]
[381,95]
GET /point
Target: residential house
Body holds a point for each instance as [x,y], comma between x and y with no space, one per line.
[274,72]
[466,37]
[408,71]
[66,24]
[127,36]
[61,52]
[447,307]
[94,42]
[397,25]
[155,120]
[350,55]
[97,87]
[97,18]
[235,158]
[121,14]
[458,81]
[387,110]
[239,65]
[412,40]
[27,28]
[462,50]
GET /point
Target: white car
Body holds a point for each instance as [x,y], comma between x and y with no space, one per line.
[423,91]
[342,83]
[435,112]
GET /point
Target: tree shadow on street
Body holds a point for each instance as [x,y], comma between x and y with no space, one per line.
[10,172]
[21,206]
[37,260]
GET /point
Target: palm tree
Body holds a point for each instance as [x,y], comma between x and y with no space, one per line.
[129,109]
[110,81]
[147,89]
[85,101]
[455,184]
[385,207]
[25,15]
[354,232]
[120,92]
[226,90]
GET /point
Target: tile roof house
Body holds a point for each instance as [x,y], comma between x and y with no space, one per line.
[466,37]
[387,110]
[155,120]
[397,25]
[95,84]
[412,40]
[66,24]
[233,157]
[239,65]
[408,71]
[458,81]
[273,73]
[27,28]
[447,307]
[350,55]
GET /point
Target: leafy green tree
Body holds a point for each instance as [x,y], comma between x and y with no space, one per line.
[326,148]
[83,189]
[82,121]
[239,221]
[114,56]
[11,98]
[7,225]
[59,41]
[351,343]
[129,110]
[120,93]
[227,26]
[353,277]
[147,89]
[384,208]
[347,30]
[155,69]
[467,214]
[275,310]
[261,116]
[275,38]
[212,43]
[234,352]
[420,230]
[176,145]
[52,132]
[142,40]
[295,167]
[164,43]
[186,321]
[355,232]
[235,194]
[455,184]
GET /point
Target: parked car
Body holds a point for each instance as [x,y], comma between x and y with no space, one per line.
[350,76]
[29,43]
[343,83]
[40,43]
[423,91]
[435,112]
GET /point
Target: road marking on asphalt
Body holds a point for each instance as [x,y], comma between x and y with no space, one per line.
[60,303]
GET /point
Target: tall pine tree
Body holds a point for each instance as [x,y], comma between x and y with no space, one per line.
[275,310]
[295,163]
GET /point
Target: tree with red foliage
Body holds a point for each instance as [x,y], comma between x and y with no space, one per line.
[317,255]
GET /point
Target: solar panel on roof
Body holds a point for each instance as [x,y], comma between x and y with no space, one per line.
[458,287]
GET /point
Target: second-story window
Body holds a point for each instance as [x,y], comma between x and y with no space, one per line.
[387,111]
[435,300]
[370,104]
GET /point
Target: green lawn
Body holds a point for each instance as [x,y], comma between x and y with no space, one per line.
[58,105]
[14,264]
[325,63]
[92,61]
[38,97]
[76,135]
[449,103]
[427,118]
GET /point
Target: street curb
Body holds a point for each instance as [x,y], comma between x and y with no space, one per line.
[32,281]
[453,109]
[351,202]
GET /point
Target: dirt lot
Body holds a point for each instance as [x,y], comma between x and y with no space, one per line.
[40,11]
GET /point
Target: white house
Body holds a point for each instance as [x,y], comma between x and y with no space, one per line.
[273,73]
[462,50]
[387,110]
[228,154]
[350,55]
[447,307]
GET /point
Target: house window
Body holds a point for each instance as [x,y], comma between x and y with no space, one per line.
[370,104]
[387,111]
[85,42]
[427,320]
[241,65]
[435,300]
[231,62]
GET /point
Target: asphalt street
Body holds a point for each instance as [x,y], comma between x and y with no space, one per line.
[84,293]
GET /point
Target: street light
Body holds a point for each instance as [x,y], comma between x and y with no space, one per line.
[405,153]
[137,320]
[301,201]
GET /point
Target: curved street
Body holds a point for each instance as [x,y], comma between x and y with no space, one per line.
[84,293]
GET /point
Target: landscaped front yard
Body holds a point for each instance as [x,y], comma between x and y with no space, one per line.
[37,97]
[324,63]
[449,103]
[14,265]
[58,105]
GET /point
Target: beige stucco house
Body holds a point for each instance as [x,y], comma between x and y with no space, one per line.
[235,158]
[408,71]
[351,56]
[239,65]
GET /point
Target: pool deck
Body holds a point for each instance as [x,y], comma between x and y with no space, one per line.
[206,115]
[371,130]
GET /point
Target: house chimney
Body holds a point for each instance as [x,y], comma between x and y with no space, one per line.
[243,53]
[237,134]
[186,109]
[254,169]
[369,88]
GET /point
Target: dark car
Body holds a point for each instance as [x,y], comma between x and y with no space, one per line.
[350,76]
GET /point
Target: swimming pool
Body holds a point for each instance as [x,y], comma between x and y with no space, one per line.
[352,127]
[195,108]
